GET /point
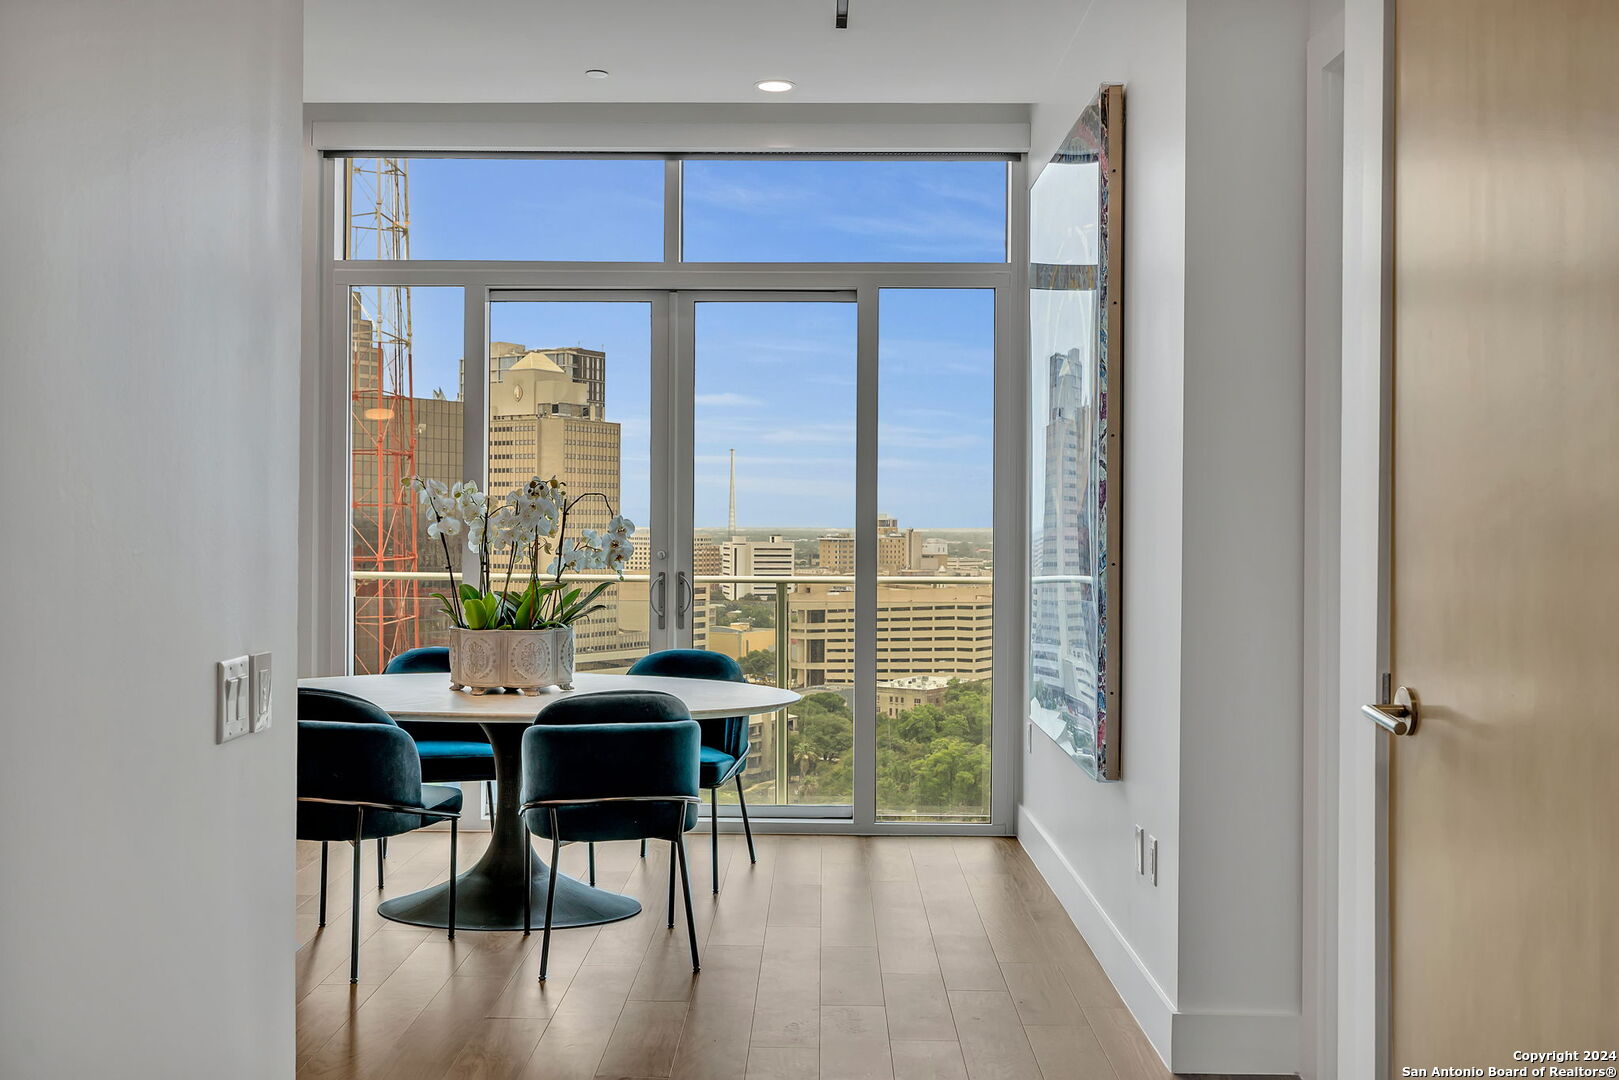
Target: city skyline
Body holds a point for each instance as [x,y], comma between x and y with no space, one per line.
[569,393]
[758,362]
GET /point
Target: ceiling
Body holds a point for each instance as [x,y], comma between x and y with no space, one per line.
[682,50]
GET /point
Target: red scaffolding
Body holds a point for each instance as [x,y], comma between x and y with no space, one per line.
[383,418]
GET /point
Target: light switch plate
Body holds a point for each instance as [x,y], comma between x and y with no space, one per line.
[1152,858]
[258,666]
[234,708]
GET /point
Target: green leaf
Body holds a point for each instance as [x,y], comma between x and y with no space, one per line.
[478,616]
[469,591]
[572,610]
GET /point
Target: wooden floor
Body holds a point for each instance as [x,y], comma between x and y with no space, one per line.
[837,958]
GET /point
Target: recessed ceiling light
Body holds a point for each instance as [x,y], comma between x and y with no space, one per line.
[596,73]
[774,86]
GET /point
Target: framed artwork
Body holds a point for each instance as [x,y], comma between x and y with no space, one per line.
[1076,304]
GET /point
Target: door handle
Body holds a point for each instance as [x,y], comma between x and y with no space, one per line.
[1400,716]
[683,599]
[659,583]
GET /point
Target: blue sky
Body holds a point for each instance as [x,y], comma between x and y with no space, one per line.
[774,380]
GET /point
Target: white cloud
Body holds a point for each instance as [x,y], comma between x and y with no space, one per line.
[728,400]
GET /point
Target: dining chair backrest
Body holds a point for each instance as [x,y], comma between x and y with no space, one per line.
[614,707]
[429,658]
[614,769]
[423,658]
[727,734]
[351,751]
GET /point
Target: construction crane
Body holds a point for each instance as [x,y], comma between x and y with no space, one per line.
[376,200]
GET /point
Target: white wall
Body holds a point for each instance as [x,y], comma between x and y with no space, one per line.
[149,341]
[1209,960]
[1089,826]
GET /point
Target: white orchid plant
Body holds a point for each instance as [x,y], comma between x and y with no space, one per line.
[530,523]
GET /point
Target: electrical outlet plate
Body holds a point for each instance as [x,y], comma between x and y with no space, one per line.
[234,710]
[1141,850]
[258,666]
[1152,858]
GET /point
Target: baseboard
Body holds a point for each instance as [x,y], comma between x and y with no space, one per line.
[1250,1044]
[1258,1044]
[1142,995]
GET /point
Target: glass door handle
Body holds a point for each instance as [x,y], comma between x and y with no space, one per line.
[1399,716]
[683,598]
[659,583]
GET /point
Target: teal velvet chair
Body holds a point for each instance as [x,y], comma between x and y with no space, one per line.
[359,779]
[613,766]
[632,707]
[451,753]
[725,740]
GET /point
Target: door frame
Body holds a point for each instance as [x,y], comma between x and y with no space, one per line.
[1323,379]
[1361,926]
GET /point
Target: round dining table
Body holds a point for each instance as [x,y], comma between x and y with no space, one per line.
[490,894]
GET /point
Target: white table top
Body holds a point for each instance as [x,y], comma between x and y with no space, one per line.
[425,695]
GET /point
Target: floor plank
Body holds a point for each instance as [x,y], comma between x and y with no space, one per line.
[1127,1049]
[993,1044]
[784,1063]
[850,975]
[1040,993]
[832,958]
[644,1040]
[854,1043]
[788,1010]
[927,1060]
[918,1008]
[1069,1051]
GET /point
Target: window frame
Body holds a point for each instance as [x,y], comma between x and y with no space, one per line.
[326,606]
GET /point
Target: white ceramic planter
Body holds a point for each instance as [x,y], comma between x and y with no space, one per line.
[527,661]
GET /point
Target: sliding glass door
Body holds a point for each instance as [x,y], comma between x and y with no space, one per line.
[569,393]
[811,475]
[772,445]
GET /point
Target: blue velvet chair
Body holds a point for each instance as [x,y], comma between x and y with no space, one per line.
[614,766]
[359,779]
[725,741]
[628,711]
[451,753]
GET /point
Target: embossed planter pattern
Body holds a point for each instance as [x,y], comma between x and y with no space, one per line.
[523,660]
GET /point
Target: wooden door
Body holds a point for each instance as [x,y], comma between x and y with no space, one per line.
[1505,801]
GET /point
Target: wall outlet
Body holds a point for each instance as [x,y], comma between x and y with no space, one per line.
[1141,850]
[258,667]
[234,707]
[1152,859]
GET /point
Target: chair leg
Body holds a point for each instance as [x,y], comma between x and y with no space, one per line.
[671,890]
[382,853]
[454,837]
[742,801]
[685,884]
[528,881]
[354,909]
[714,831]
[590,850]
[550,897]
[643,847]
[322,884]
[489,793]
[384,847]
